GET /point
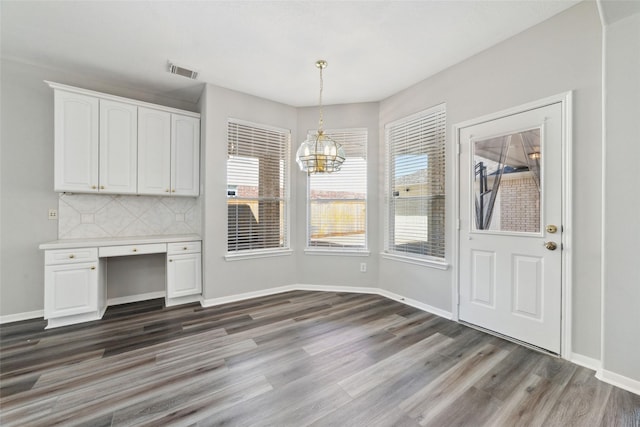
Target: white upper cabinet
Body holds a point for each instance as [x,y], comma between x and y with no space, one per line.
[109,144]
[76,142]
[168,153]
[185,155]
[154,151]
[118,147]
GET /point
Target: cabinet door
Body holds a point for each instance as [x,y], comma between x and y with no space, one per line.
[76,142]
[185,155]
[70,289]
[154,151]
[118,147]
[184,275]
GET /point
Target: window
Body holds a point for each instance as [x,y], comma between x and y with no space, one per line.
[415,185]
[257,187]
[337,202]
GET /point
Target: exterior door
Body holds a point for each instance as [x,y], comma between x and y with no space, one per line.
[510,226]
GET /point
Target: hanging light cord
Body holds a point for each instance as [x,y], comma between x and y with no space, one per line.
[321,64]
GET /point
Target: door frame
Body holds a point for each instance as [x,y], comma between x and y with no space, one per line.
[565,100]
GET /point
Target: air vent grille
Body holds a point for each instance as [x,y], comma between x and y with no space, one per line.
[181,71]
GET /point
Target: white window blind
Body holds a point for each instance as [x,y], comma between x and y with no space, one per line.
[415,178]
[337,202]
[257,187]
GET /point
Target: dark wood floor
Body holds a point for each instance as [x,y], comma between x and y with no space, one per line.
[293,359]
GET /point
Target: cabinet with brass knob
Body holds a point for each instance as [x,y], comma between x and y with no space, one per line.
[184,272]
[74,289]
[114,145]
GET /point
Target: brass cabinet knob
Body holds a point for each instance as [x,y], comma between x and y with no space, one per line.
[135,250]
[93,187]
[184,249]
[552,246]
[173,191]
[166,191]
[93,267]
[170,260]
[72,256]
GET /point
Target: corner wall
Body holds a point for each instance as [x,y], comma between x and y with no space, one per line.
[621,226]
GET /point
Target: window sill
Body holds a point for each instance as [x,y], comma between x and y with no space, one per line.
[431,263]
[257,254]
[337,251]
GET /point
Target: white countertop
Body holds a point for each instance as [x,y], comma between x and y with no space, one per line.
[117,241]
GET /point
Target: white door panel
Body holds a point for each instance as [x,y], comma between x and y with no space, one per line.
[510,189]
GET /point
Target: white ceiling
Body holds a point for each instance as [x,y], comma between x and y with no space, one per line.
[265,48]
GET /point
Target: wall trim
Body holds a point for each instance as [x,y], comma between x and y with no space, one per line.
[135,298]
[27,315]
[585,361]
[618,380]
[210,302]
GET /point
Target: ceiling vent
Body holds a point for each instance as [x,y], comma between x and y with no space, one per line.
[181,71]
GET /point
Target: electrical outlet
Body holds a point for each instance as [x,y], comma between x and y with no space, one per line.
[53,214]
[363,267]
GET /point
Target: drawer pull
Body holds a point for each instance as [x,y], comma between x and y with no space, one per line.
[93,267]
[184,249]
[170,260]
[135,250]
[102,187]
[72,256]
[93,187]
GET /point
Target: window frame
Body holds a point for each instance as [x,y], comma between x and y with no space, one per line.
[285,249]
[341,250]
[437,114]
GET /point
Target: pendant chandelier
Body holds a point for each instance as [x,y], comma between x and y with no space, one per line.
[319,153]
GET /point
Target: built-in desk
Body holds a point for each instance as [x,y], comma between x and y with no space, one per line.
[75,274]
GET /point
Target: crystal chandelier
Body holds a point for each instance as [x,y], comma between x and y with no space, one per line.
[319,153]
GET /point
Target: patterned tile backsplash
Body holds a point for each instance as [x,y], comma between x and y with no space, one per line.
[91,215]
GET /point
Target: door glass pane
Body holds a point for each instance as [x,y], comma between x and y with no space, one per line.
[506,183]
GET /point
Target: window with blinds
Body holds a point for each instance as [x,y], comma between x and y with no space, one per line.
[337,202]
[257,187]
[415,178]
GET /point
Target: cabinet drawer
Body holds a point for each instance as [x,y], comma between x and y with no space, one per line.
[184,247]
[125,250]
[70,256]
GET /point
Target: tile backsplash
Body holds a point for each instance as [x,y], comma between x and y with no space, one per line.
[91,215]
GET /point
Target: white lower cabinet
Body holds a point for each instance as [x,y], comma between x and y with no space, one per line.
[184,273]
[74,289]
[75,278]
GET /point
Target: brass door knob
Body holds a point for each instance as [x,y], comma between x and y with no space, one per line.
[552,246]
[551,228]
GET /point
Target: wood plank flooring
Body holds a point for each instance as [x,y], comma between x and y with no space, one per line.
[293,359]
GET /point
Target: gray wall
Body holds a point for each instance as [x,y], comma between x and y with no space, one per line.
[223,278]
[621,320]
[558,55]
[339,270]
[26,177]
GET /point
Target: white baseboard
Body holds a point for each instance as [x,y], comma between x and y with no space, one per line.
[328,288]
[247,295]
[136,298]
[585,361]
[27,315]
[618,380]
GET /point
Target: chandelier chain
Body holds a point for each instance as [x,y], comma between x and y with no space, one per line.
[321,120]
